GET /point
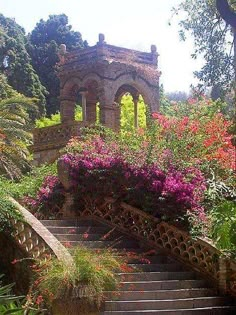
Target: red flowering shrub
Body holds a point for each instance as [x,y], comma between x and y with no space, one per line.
[197,133]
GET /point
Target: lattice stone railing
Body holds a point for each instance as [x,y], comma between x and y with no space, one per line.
[35,239]
[196,253]
[56,136]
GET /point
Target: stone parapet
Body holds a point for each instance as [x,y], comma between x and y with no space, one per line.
[55,136]
[35,239]
[110,53]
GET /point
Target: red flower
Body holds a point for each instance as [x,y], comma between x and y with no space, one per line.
[39,300]
[155,115]
[14,261]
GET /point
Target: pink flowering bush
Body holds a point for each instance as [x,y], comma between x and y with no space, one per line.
[169,170]
[48,200]
[100,169]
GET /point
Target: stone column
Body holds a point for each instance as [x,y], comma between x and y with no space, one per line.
[91,110]
[135,101]
[67,109]
[84,107]
[110,116]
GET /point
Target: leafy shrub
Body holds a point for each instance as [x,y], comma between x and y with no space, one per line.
[49,198]
[55,119]
[223,217]
[29,184]
[9,303]
[7,212]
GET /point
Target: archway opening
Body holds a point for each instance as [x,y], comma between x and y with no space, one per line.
[132,118]
[78,108]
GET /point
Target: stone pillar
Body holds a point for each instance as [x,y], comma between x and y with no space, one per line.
[67,109]
[84,107]
[110,116]
[91,111]
[135,101]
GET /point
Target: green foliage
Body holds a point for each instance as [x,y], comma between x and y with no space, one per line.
[9,303]
[127,114]
[7,212]
[213,40]
[14,135]
[223,217]
[55,119]
[44,42]
[16,63]
[29,184]
[6,91]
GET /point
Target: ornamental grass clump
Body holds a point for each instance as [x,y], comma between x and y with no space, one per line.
[84,281]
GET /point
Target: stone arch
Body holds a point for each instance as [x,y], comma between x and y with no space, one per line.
[136,86]
[68,97]
[88,88]
[149,92]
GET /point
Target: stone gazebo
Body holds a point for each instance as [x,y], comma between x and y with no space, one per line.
[102,73]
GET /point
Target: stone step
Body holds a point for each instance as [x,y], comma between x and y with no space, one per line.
[188,303]
[131,295]
[157,267]
[155,276]
[142,259]
[215,310]
[103,244]
[72,222]
[157,285]
[163,285]
[85,236]
[78,230]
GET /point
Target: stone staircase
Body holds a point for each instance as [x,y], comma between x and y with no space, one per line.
[157,285]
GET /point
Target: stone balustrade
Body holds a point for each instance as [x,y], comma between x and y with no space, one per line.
[35,239]
[196,253]
[55,136]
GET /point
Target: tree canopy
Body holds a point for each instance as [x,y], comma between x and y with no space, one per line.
[44,42]
[15,61]
[213,39]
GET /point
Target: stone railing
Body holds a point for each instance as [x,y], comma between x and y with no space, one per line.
[196,253]
[55,136]
[110,52]
[35,239]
